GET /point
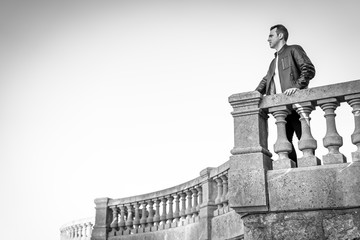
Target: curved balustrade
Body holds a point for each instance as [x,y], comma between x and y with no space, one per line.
[167,209]
[79,230]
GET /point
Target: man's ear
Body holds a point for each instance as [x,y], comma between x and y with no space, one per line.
[281,35]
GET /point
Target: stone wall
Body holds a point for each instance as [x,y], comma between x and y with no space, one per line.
[304,225]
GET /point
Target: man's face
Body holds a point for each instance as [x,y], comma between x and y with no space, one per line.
[274,38]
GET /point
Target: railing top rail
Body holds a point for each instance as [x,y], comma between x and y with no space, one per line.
[338,91]
[79,221]
[211,172]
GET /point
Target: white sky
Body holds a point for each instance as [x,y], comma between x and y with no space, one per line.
[119,98]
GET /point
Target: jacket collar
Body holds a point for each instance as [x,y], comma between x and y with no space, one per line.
[281,50]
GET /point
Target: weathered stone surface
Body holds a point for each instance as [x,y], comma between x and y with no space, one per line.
[188,232]
[344,226]
[308,161]
[332,158]
[307,225]
[227,226]
[321,187]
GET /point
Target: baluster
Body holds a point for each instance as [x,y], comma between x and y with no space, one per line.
[332,140]
[177,213]
[83,231]
[72,232]
[79,230]
[183,206]
[114,223]
[122,223]
[137,216]
[224,197]
[354,102]
[282,146]
[129,219]
[196,203]
[163,214]
[219,192]
[200,194]
[189,206]
[157,212]
[90,229]
[170,215]
[150,219]
[307,143]
[143,219]
[75,232]
[86,231]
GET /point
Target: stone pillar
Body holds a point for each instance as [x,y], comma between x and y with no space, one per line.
[354,102]
[332,140]
[102,219]
[206,204]
[251,157]
[282,145]
[307,143]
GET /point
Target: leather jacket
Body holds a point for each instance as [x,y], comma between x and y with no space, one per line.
[295,70]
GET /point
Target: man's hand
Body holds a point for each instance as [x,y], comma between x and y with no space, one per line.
[290,91]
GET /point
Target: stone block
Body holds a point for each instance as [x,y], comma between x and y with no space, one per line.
[283,164]
[333,158]
[320,187]
[355,156]
[247,190]
[308,161]
[227,226]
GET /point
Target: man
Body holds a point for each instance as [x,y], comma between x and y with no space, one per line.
[290,70]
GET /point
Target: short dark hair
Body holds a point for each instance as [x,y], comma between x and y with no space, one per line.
[281,29]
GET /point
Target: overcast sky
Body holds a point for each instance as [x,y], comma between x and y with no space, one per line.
[119,98]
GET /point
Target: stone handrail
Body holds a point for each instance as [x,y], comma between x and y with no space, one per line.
[191,202]
[79,229]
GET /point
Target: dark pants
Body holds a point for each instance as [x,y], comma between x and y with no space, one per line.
[293,125]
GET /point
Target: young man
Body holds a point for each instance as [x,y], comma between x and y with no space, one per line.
[290,70]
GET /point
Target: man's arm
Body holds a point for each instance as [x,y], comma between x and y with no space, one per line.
[261,88]
[307,69]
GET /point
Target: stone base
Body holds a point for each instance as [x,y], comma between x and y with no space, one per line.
[331,158]
[283,164]
[309,225]
[308,161]
[355,156]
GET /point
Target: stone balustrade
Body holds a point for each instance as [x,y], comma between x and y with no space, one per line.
[275,196]
[191,203]
[77,230]
[254,194]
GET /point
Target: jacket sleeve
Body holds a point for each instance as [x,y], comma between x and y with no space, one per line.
[305,66]
[261,88]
